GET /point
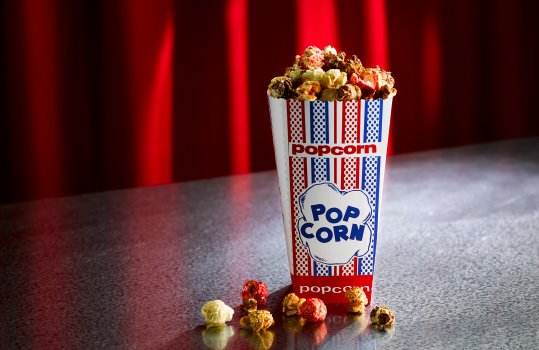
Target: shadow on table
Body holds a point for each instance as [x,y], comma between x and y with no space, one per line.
[339,330]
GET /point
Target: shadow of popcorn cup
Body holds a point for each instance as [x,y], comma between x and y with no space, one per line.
[330,159]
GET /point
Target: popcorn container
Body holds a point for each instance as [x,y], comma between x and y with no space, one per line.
[330,159]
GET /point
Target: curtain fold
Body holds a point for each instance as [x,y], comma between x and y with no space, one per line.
[100,95]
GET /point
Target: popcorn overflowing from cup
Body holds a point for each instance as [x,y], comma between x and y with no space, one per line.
[329,76]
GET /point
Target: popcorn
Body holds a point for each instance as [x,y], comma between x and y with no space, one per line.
[358,300]
[256,290]
[331,70]
[333,79]
[291,304]
[257,320]
[353,66]
[332,59]
[294,73]
[281,87]
[382,317]
[308,90]
[348,92]
[313,310]
[312,58]
[250,305]
[329,95]
[216,313]
[316,74]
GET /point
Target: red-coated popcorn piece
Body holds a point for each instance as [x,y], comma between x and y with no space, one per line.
[256,290]
[313,310]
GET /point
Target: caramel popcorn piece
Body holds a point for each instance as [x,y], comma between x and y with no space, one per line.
[333,79]
[216,313]
[258,320]
[332,59]
[348,92]
[312,58]
[330,95]
[308,90]
[382,317]
[294,73]
[281,87]
[291,304]
[358,300]
[353,65]
[250,305]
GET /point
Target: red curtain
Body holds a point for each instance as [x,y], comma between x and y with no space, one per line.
[100,95]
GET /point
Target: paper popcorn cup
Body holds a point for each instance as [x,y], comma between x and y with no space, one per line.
[330,159]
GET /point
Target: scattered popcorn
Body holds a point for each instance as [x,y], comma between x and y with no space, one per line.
[256,290]
[358,300]
[258,320]
[317,71]
[216,313]
[382,317]
[250,305]
[291,304]
[313,310]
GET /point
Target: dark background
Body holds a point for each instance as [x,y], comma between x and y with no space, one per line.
[99,95]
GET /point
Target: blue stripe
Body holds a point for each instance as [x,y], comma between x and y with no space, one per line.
[315,269]
[363,161]
[378,160]
[313,172]
[330,272]
[365,116]
[312,121]
[327,170]
[380,121]
[327,121]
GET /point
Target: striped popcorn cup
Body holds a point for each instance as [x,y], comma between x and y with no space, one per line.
[330,159]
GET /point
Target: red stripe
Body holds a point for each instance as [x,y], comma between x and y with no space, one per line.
[344,140]
[335,170]
[288,123]
[293,214]
[357,173]
[306,184]
[303,120]
[335,123]
[358,121]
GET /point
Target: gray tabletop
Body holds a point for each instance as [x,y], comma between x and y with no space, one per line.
[458,261]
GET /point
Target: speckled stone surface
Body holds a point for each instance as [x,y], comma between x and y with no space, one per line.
[458,261]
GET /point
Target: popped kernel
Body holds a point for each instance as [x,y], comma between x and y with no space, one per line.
[291,303]
[382,317]
[281,87]
[216,313]
[333,79]
[313,310]
[308,90]
[258,320]
[256,290]
[312,58]
[250,305]
[356,293]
